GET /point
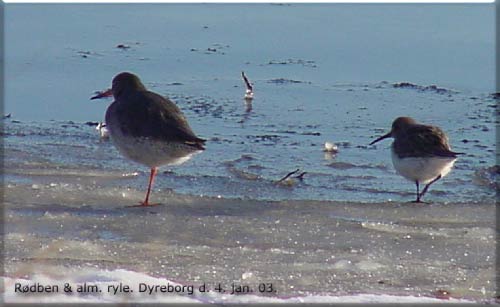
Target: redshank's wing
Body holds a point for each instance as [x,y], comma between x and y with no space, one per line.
[150,115]
[423,141]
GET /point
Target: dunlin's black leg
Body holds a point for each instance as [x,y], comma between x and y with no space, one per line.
[429,184]
[418,193]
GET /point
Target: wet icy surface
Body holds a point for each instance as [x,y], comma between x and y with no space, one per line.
[303,248]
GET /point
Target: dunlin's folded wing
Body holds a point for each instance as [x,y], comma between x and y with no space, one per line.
[423,141]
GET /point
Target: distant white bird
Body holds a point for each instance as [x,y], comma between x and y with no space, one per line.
[103,131]
[330,147]
[249,90]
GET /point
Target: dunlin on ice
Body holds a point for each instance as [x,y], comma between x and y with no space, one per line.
[420,153]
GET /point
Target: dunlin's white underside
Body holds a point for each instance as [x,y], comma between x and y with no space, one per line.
[423,169]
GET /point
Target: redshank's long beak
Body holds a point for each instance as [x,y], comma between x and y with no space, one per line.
[382,137]
[106,93]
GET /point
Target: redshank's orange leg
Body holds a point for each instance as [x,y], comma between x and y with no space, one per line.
[146,203]
[154,170]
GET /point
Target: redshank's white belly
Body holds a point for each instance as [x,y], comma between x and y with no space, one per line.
[423,169]
[152,153]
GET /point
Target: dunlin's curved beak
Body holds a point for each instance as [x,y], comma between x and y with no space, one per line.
[382,137]
[103,94]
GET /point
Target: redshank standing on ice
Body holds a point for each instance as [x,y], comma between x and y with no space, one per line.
[420,153]
[148,128]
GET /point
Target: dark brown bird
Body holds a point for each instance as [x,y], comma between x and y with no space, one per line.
[148,128]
